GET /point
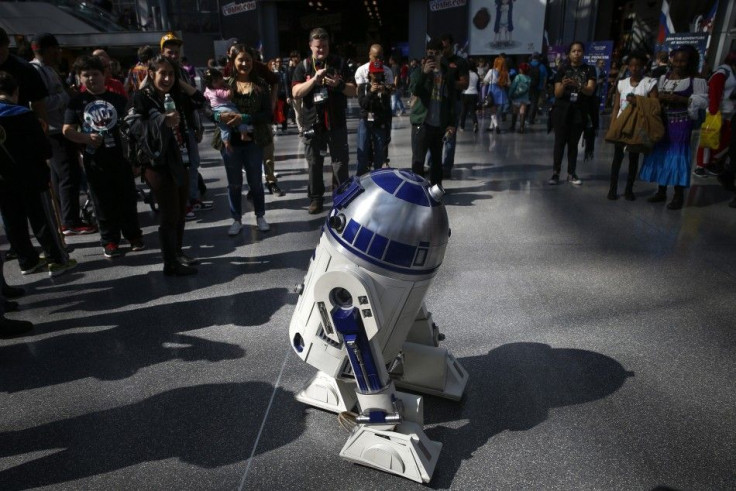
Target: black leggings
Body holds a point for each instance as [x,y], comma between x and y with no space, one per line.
[568,134]
[470,103]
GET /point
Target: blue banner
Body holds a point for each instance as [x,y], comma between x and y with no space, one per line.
[598,54]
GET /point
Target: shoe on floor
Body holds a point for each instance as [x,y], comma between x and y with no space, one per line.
[574,179]
[555,179]
[112,250]
[189,214]
[700,172]
[274,189]
[57,269]
[199,205]
[186,260]
[79,230]
[41,264]
[234,229]
[137,245]
[178,269]
[13,291]
[262,224]
[315,207]
[11,327]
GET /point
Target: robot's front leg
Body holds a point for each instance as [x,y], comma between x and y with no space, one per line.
[426,367]
[389,434]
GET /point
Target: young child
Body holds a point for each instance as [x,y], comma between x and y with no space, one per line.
[93,119]
[219,96]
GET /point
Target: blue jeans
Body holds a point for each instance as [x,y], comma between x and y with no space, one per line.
[396,101]
[449,148]
[377,137]
[193,165]
[249,157]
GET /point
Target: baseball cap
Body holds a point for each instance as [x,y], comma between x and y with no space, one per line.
[170,37]
[44,40]
[375,67]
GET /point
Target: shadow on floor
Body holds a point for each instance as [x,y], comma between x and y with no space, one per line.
[207,426]
[513,388]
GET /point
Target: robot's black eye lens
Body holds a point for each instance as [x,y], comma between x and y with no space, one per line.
[341,298]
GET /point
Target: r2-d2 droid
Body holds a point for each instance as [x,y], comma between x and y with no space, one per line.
[361,319]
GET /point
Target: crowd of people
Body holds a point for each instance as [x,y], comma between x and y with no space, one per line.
[93,131]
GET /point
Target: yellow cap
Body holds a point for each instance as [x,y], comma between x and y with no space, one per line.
[170,37]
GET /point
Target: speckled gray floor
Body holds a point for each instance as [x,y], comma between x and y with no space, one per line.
[599,337]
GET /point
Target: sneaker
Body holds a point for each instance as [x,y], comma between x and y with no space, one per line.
[262,224]
[112,250]
[199,205]
[574,179]
[189,215]
[714,169]
[79,230]
[555,179]
[700,172]
[56,269]
[234,228]
[41,264]
[137,245]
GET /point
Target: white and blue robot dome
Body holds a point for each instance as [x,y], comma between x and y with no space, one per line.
[390,221]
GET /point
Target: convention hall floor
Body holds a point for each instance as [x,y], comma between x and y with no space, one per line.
[599,337]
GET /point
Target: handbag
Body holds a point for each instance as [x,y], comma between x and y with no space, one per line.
[710,132]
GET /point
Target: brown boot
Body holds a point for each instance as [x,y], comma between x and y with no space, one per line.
[315,207]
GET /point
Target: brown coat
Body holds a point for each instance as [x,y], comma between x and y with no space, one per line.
[639,126]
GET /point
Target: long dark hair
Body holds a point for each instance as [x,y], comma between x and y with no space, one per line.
[237,49]
[153,64]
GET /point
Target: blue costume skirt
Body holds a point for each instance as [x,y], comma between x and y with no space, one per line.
[668,164]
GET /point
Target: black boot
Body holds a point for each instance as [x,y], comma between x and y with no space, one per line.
[613,191]
[659,196]
[10,327]
[172,265]
[678,199]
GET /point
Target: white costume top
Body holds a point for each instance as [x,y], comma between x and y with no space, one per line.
[361,74]
[624,87]
[472,84]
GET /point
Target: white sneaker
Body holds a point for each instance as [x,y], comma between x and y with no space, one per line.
[262,224]
[234,228]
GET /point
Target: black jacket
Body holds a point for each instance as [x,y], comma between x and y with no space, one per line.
[24,149]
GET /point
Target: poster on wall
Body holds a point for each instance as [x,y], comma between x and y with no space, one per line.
[514,27]
[449,17]
[598,54]
[556,56]
[239,19]
[697,39]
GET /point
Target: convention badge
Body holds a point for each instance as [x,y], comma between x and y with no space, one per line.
[321,95]
[109,140]
[573,97]
[370,117]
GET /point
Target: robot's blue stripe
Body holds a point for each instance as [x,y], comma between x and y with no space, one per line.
[351,230]
[378,246]
[379,263]
[400,254]
[364,239]
[349,323]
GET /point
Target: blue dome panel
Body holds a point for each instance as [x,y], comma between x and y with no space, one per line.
[387,180]
[413,193]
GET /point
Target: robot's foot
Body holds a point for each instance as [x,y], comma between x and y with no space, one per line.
[430,370]
[328,393]
[406,451]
